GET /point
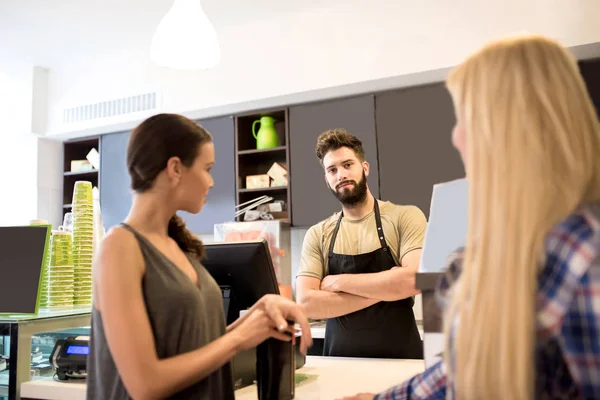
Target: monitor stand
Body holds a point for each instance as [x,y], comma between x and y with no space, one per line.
[243,364]
[276,370]
[271,365]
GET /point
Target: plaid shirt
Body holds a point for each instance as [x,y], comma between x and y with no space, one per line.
[568,318]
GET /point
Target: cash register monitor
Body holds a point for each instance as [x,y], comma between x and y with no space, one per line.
[22,252]
[244,272]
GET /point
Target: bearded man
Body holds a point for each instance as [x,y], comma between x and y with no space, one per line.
[358,266]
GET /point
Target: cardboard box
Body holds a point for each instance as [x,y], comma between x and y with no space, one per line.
[258,181]
[277,172]
[81,165]
[279,182]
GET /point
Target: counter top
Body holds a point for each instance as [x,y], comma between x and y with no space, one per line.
[49,389]
[328,378]
[335,377]
[44,315]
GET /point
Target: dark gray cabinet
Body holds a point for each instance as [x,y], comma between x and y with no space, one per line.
[414,138]
[311,199]
[590,70]
[220,203]
[115,193]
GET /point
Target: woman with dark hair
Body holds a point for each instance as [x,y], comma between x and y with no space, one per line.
[158,326]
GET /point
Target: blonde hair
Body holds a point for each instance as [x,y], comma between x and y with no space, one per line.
[533,146]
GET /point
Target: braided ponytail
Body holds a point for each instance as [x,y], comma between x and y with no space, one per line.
[186,240]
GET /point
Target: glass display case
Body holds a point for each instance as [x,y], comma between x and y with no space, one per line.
[26,342]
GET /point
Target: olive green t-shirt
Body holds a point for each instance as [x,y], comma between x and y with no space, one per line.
[403,227]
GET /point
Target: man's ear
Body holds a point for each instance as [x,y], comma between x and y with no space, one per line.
[366,167]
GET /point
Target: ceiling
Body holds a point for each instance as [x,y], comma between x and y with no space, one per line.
[58,33]
[51,32]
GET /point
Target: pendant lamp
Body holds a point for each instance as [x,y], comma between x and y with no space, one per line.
[185,39]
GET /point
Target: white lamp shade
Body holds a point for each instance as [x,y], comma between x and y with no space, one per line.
[185,38]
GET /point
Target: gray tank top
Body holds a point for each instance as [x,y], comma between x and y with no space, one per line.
[183,318]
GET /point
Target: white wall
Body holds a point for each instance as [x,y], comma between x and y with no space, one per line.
[16,82]
[347,42]
[49,181]
[18,147]
[18,179]
[30,167]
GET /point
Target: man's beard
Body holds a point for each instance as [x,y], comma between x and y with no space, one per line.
[354,196]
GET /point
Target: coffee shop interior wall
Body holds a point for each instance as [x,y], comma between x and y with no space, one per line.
[273,53]
[269,48]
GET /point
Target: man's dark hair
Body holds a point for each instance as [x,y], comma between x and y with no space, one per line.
[333,139]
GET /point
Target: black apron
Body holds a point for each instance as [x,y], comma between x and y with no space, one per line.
[383,330]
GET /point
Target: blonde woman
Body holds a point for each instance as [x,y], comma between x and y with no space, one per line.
[523,299]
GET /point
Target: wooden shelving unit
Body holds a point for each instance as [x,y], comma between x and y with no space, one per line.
[263,151]
[252,161]
[77,150]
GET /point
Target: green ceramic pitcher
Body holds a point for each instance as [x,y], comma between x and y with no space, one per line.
[266,137]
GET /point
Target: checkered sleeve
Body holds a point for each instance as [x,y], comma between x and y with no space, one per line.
[580,334]
[431,384]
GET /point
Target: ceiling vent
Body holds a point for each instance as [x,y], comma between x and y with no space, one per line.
[111,108]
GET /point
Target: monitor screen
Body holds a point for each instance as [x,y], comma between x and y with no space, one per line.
[21,258]
[243,270]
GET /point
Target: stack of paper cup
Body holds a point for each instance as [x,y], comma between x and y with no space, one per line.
[83,239]
[61,271]
[43,301]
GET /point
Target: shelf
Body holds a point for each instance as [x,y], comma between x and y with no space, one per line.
[262,151]
[265,189]
[245,140]
[67,205]
[252,161]
[76,173]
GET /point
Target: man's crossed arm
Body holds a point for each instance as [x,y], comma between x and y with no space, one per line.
[343,294]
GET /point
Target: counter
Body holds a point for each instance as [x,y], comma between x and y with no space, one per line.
[328,378]
[21,328]
[335,377]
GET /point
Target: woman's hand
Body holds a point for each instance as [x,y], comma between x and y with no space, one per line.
[257,327]
[282,310]
[274,312]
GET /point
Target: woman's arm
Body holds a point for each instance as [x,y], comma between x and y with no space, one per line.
[118,285]
[431,384]
[428,385]
[280,310]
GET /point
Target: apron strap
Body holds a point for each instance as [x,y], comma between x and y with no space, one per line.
[380,233]
[335,232]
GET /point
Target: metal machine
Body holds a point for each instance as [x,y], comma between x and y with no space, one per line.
[69,357]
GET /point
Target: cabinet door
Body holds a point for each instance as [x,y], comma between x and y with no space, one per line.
[590,70]
[220,203]
[414,137]
[312,201]
[115,192]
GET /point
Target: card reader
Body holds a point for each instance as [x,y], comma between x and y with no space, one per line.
[69,357]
